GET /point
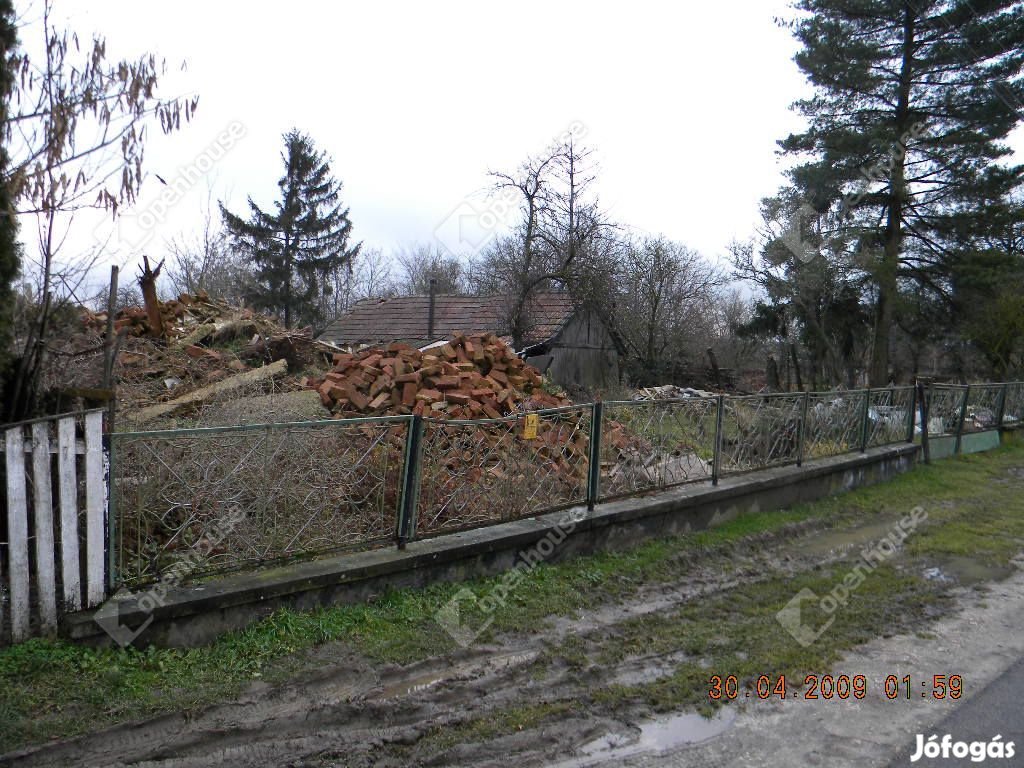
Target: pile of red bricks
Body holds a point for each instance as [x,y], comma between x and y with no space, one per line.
[468,377]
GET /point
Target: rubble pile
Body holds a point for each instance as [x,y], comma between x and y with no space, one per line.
[467,377]
[196,323]
[206,351]
[180,316]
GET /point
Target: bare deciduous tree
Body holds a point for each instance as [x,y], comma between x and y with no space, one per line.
[368,276]
[666,298]
[76,136]
[558,240]
[420,263]
[206,262]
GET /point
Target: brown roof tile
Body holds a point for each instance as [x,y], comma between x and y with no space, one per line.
[373,321]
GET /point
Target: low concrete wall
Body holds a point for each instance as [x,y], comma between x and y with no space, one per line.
[194,615]
[944,446]
[976,442]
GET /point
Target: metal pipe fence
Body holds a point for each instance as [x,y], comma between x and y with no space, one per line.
[983,402]
[945,406]
[890,416]
[192,502]
[656,444]
[1012,411]
[188,503]
[759,431]
[836,423]
[486,471]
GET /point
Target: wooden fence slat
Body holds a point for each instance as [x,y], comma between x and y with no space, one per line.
[42,514]
[17,534]
[95,509]
[67,472]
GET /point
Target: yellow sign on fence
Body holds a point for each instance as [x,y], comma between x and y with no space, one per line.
[530,426]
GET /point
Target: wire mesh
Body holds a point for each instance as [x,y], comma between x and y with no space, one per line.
[1013,406]
[983,407]
[195,502]
[944,404]
[835,423]
[480,472]
[759,431]
[647,445]
[889,415]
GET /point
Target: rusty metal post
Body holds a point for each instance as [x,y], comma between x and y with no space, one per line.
[594,468]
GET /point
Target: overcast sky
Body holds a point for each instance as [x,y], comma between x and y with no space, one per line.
[683,103]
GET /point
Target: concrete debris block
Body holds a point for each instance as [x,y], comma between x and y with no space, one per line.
[201,333]
[669,392]
[238,381]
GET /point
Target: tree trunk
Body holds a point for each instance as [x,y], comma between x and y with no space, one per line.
[287,284]
[772,375]
[886,271]
[147,282]
[796,368]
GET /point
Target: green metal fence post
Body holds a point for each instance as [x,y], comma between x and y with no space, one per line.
[910,414]
[963,417]
[801,428]
[865,420]
[716,461]
[594,467]
[111,514]
[1001,408]
[406,528]
[924,404]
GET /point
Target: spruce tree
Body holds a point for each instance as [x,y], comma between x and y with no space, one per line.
[905,152]
[9,250]
[303,240]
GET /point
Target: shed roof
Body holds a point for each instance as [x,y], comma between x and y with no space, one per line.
[404,318]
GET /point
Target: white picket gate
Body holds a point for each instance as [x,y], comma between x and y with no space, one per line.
[54,555]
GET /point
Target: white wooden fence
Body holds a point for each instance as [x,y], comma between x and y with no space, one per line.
[54,555]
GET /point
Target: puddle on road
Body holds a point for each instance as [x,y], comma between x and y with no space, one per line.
[846,540]
[653,736]
[966,571]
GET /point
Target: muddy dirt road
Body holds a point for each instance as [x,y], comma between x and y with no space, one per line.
[981,641]
[613,685]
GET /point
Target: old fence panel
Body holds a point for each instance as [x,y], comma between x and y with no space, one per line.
[42,575]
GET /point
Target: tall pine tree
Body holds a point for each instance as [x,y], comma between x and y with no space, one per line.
[307,235]
[9,249]
[905,150]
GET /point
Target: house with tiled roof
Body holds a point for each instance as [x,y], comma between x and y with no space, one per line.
[571,344]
